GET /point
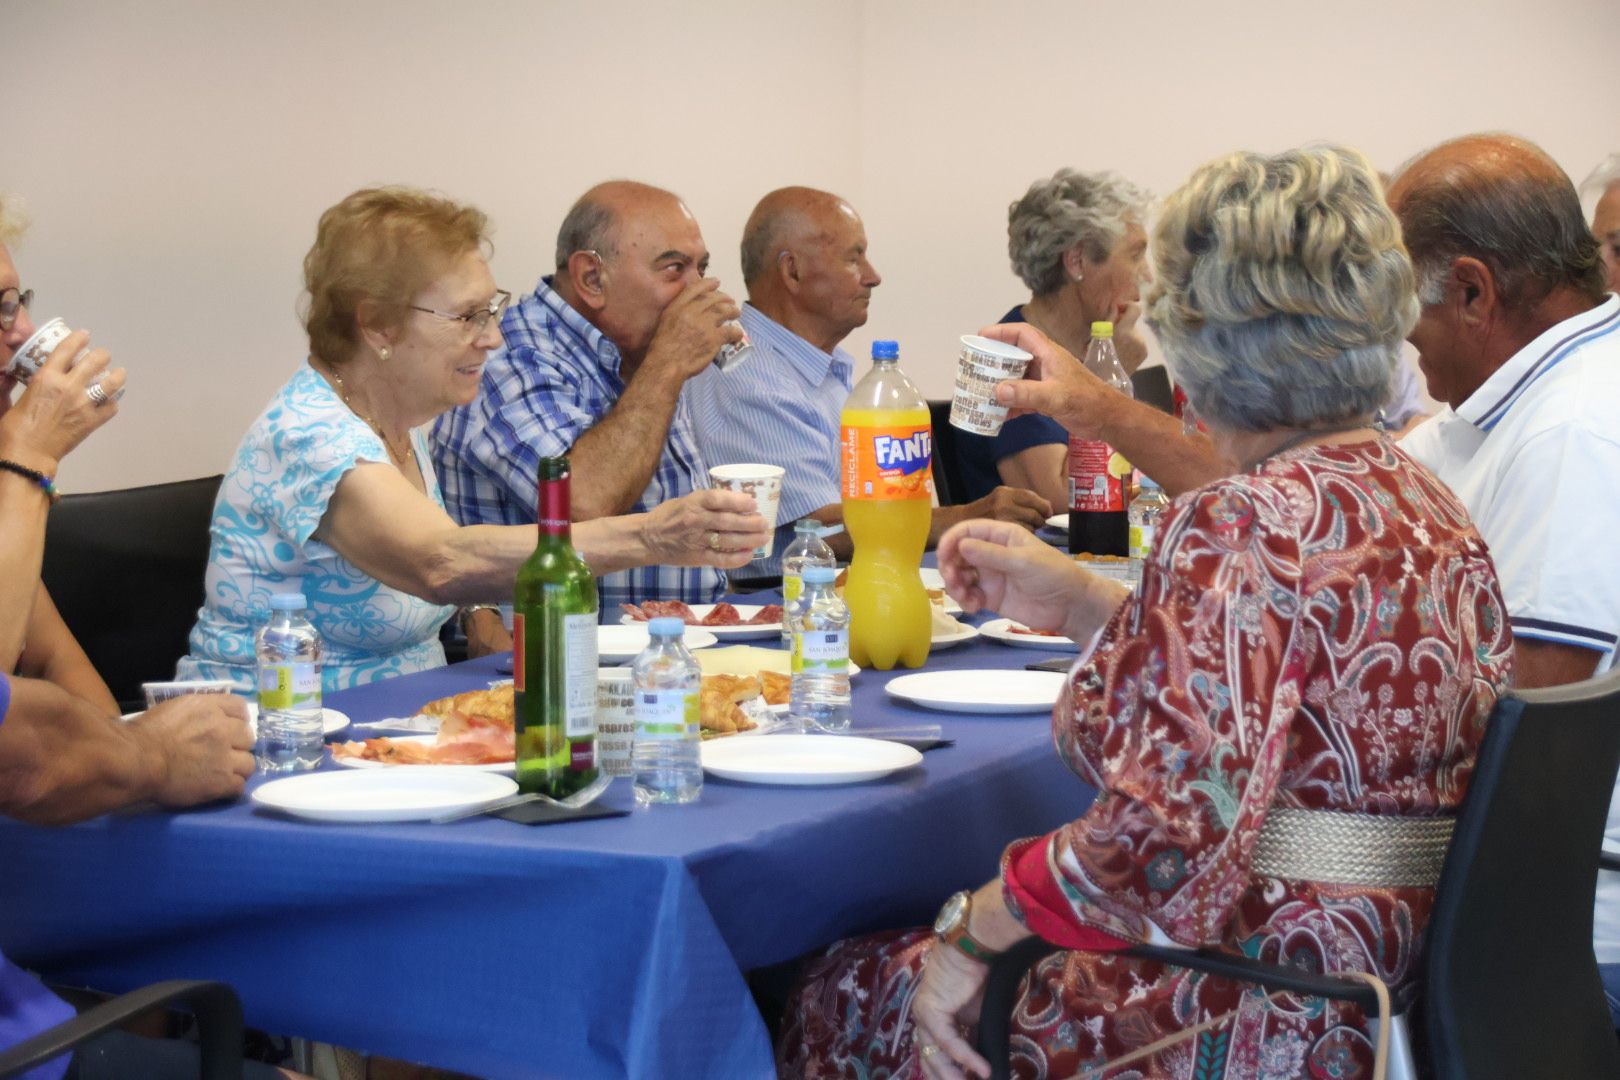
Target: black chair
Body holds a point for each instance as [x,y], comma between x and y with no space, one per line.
[1152,385]
[219,1027]
[947,468]
[1510,987]
[126,570]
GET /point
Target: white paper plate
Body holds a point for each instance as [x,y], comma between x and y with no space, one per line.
[332,721]
[724,633]
[994,691]
[720,661]
[933,579]
[1058,521]
[506,767]
[1002,630]
[946,641]
[383,794]
[806,759]
[622,644]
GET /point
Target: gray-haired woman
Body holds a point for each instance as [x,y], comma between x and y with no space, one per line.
[1077,240]
[1316,638]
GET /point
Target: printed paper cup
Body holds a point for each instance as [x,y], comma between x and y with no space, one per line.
[159,692]
[983,365]
[37,349]
[762,482]
[615,720]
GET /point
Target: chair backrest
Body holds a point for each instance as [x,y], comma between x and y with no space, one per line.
[948,482]
[1152,385]
[126,570]
[1511,986]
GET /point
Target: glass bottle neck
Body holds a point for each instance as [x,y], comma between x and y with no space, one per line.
[553,517]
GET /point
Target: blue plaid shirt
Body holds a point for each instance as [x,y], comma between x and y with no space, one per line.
[554,378]
[781,407]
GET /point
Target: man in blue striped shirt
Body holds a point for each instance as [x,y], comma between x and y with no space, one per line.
[592,366]
[809,286]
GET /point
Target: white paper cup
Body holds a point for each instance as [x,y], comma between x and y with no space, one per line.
[26,361]
[615,720]
[158,692]
[762,482]
[983,365]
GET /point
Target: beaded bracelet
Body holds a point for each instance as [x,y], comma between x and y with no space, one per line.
[46,484]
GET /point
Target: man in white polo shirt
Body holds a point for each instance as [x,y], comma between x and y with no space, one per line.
[1520,338]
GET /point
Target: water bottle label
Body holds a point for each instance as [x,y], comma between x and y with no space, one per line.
[1141,541]
[289,686]
[889,462]
[821,652]
[1096,476]
[667,715]
[792,588]
[579,678]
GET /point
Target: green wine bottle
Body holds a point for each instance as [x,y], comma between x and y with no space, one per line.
[554,652]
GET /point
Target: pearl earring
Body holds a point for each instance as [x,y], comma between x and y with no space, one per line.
[383,354]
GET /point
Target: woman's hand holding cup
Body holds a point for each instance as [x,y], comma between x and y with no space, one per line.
[59,410]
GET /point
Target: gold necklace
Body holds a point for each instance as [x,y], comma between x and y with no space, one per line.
[343,392]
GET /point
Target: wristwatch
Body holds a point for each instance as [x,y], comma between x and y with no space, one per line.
[951,926]
[465,614]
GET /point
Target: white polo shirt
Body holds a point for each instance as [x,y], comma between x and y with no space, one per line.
[1534,454]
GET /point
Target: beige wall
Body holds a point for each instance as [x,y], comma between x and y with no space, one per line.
[175,156]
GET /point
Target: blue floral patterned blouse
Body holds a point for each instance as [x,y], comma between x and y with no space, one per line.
[269,506]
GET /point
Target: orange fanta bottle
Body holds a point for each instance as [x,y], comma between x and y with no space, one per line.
[888,501]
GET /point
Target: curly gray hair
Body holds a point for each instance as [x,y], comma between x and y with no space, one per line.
[1283,290]
[1071,208]
[13,222]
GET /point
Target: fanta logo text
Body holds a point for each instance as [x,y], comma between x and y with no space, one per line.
[908,455]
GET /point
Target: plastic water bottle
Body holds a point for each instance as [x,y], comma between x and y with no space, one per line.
[1146,510]
[668,685]
[290,734]
[807,549]
[820,695]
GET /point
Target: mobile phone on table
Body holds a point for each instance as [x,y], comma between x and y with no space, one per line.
[1059,664]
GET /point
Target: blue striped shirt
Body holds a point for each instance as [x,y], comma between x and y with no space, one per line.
[781,407]
[555,377]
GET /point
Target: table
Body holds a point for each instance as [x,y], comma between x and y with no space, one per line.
[599,948]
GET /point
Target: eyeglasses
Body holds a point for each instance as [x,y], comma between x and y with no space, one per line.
[11,303]
[476,321]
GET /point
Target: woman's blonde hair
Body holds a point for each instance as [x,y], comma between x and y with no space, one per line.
[384,245]
[13,221]
[1282,289]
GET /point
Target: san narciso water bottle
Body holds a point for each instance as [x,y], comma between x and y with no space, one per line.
[1097,472]
[888,490]
[807,549]
[820,663]
[1146,510]
[290,735]
[666,757]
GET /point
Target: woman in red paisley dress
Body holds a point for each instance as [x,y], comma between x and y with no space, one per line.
[1320,631]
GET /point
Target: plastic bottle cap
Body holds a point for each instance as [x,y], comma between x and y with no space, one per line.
[885,350]
[819,575]
[667,626]
[1102,329]
[1149,482]
[288,601]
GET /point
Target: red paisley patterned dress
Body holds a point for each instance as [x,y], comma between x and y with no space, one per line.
[1323,633]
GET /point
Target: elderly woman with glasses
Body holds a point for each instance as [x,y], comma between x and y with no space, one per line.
[1312,652]
[332,491]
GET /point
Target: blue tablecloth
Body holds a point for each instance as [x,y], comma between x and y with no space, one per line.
[600,948]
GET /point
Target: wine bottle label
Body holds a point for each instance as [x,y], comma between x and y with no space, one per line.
[667,714]
[289,686]
[824,652]
[1096,476]
[579,665]
[519,649]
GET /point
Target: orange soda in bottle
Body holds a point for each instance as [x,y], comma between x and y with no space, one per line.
[888,490]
